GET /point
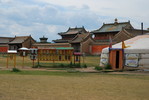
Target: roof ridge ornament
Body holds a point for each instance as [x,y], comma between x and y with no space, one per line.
[116,21]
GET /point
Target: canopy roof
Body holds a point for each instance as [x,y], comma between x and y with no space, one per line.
[24,48]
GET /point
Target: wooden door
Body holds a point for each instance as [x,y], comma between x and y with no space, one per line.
[116,59]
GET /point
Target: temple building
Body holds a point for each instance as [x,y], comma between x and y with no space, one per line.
[67,36]
[78,38]
[110,30]
[107,32]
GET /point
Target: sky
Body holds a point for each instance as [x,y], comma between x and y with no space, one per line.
[47,18]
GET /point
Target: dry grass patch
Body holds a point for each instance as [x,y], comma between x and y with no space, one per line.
[74,87]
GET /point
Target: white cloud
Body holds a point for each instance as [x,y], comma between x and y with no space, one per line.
[129,9]
[5,1]
[49,17]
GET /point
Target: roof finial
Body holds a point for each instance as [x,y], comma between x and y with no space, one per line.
[116,20]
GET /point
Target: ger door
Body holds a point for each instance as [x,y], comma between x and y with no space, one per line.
[116,59]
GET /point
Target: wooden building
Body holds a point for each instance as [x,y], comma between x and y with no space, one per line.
[67,36]
[21,41]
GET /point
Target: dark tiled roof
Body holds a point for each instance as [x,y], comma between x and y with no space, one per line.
[73,31]
[127,34]
[112,27]
[5,39]
[61,41]
[19,39]
[137,31]
[80,37]
[122,36]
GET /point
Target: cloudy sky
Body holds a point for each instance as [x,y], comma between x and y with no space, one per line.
[49,17]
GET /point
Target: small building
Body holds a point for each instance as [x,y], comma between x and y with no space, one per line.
[4,44]
[21,41]
[67,36]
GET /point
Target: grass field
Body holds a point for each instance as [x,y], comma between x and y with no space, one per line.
[45,85]
[62,85]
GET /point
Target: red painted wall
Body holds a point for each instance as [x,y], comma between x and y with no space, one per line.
[3,49]
[97,49]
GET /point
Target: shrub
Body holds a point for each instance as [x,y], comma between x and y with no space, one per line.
[15,70]
[70,65]
[62,65]
[98,68]
[84,66]
[77,65]
[108,66]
